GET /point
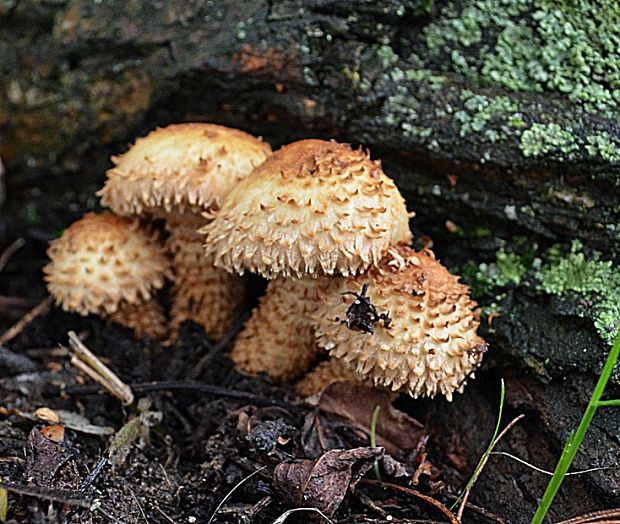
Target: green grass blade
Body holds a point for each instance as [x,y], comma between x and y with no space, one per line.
[487,453]
[575,439]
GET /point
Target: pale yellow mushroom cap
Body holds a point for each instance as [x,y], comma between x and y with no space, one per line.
[101,260]
[181,167]
[312,208]
[431,345]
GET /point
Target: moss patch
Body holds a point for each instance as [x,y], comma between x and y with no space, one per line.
[594,280]
[591,283]
[548,139]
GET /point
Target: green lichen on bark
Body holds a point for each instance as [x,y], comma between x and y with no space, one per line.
[592,279]
[534,45]
[582,277]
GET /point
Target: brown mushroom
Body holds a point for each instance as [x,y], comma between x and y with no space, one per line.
[109,266]
[178,173]
[314,208]
[422,337]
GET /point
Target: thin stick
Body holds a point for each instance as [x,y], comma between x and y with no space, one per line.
[483,461]
[207,389]
[544,471]
[10,250]
[217,347]
[87,362]
[595,516]
[17,328]
[233,489]
[414,493]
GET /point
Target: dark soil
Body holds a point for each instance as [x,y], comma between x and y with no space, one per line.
[205,428]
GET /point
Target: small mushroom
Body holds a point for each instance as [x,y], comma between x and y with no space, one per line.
[178,173]
[428,346]
[109,266]
[313,209]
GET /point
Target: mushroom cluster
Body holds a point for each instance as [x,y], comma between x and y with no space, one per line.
[179,173]
[313,211]
[320,220]
[175,174]
[109,266]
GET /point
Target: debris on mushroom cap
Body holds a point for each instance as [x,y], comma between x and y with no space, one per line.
[430,345]
[181,167]
[313,207]
[326,373]
[101,260]
[278,339]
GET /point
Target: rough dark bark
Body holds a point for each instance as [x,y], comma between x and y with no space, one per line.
[81,79]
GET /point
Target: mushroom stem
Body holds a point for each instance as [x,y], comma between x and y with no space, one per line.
[209,296]
[326,373]
[145,318]
[278,339]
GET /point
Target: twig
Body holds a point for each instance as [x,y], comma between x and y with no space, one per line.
[485,458]
[544,471]
[87,362]
[92,476]
[18,327]
[17,302]
[9,251]
[146,387]
[167,517]
[370,504]
[222,344]
[286,514]
[595,517]
[232,490]
[72,498]
[414,493]
[482,511]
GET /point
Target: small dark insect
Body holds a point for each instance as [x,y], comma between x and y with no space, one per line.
[362,315]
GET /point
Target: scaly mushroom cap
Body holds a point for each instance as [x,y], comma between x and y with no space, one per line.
[278,339]
[181,167]
[430,346]
[326,373]
[101,260]
[313,207]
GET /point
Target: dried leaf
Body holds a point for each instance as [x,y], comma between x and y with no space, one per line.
[77,422]
[69,419]
[54,432]
[50,463]
[323,483]
[137,429]
[393,467]
[355,403]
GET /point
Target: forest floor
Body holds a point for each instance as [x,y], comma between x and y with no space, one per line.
[204,443]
